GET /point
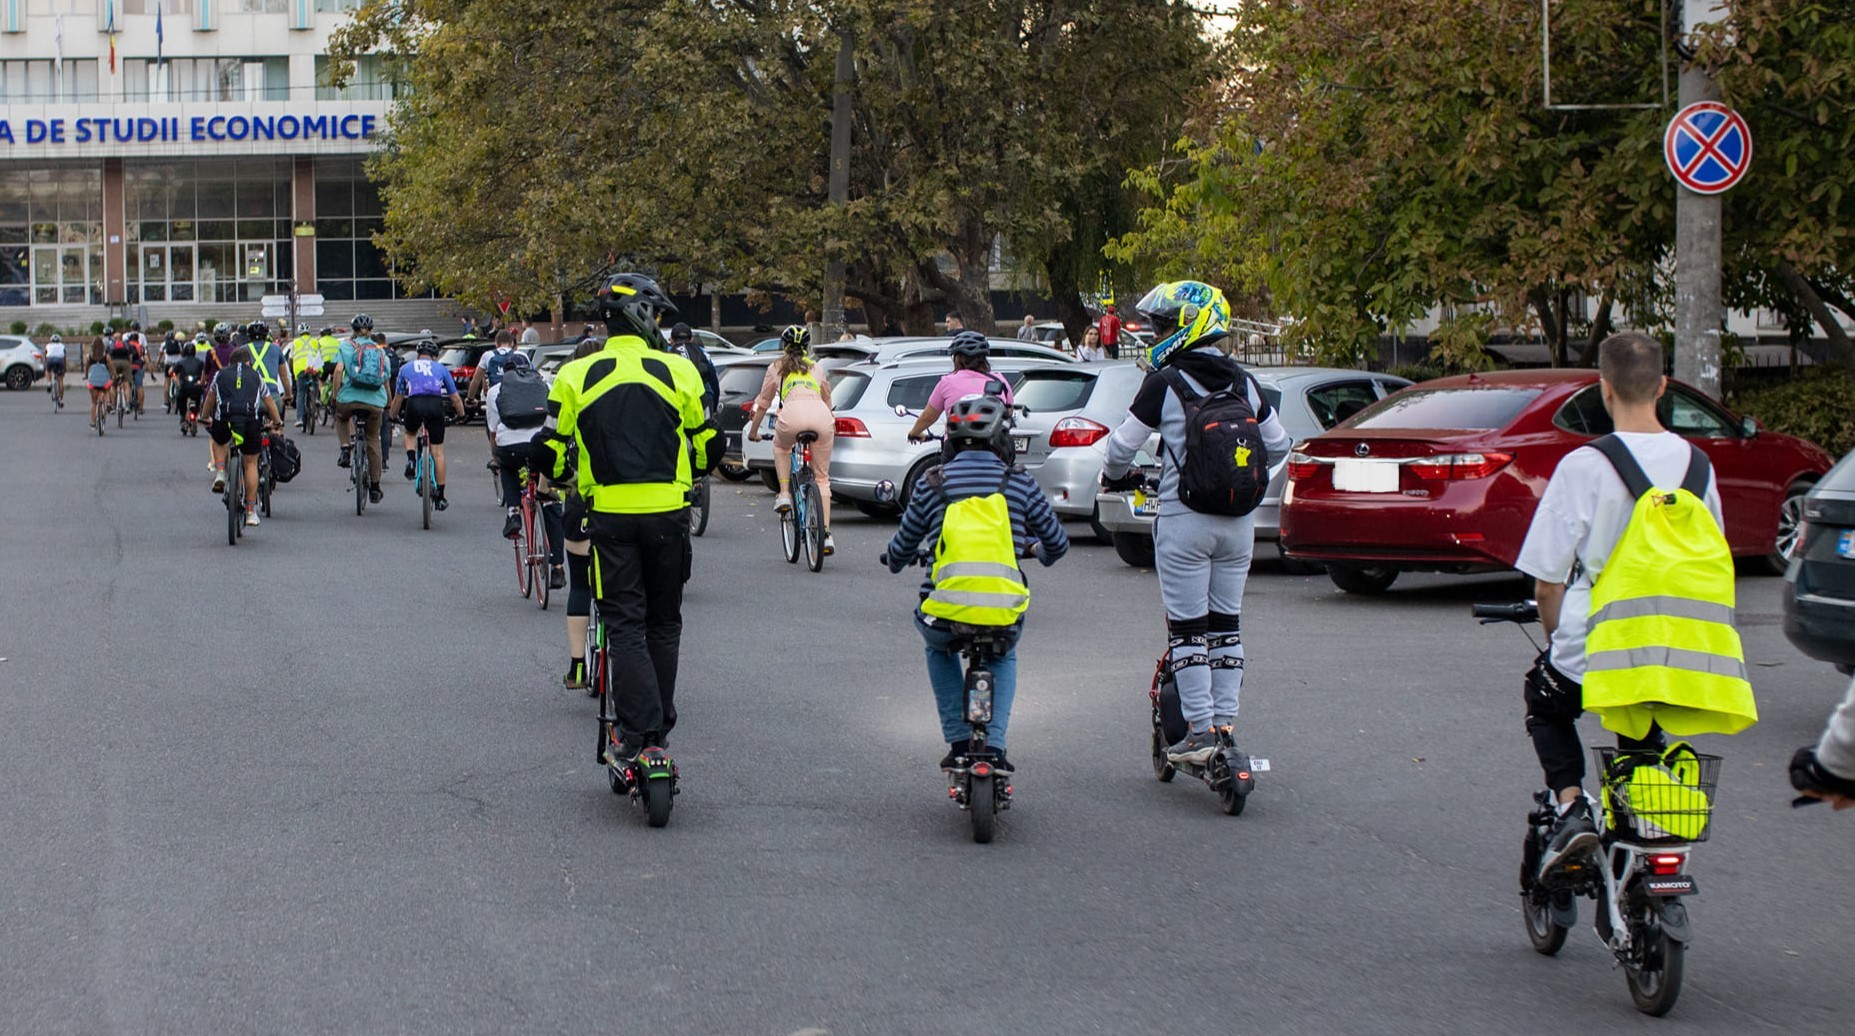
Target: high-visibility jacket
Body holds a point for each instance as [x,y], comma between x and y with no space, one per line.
[303,353]
[636,416]
[976,576]
[1661,647]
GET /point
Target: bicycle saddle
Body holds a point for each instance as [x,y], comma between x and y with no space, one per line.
[808,437]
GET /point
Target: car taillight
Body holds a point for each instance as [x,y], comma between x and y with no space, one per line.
[1077,431]
[1665,865]
[1300,465]
[852,428]
[748,407]
[1456,466]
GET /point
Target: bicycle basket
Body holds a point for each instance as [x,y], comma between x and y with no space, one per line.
[1659,799]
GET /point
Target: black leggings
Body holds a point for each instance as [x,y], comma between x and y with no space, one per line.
[579,584]
[1552,722]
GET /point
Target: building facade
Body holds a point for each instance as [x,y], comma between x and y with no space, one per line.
[180,159]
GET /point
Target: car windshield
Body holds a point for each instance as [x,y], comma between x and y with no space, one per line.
[742,379]
[1055,390]
[454,357]
[847,389]
[1466,408]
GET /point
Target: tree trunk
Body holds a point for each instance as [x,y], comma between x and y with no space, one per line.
[970,290]
[1841,350]
[1067,294]
[1600,330]
[1548,323]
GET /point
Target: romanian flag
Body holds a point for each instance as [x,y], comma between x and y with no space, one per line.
[109,12]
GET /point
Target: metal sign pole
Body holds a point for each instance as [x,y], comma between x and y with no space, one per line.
[1698,311]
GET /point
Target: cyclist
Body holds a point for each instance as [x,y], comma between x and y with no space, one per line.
[305,368]
[54,368]
[683,343]
[635,415]
[137,343]
[421,389]
[979,430]
[359,385]
[514,451]
[804,406]
[236,399]
[122,364]
[219,357]
[170,355]
[97,374]
[579,553]
[972,373]
[1203,558]
[189,378]
[487,374]
[267,357]
[1575,530]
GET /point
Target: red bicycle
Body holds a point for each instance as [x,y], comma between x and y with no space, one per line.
[531,557]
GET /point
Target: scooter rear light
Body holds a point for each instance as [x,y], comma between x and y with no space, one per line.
[982,769]
[1665,865]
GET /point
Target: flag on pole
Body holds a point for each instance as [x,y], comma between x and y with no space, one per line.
[160,36]
[58,44]
[109,10]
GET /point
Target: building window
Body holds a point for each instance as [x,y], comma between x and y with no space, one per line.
[40,82]
[373,80]
[169,8]
[207,79]
[207,231]
[51,234]
[337,6]
[349,267]
[262,6]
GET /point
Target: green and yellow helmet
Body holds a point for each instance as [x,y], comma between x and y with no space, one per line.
[1183,315]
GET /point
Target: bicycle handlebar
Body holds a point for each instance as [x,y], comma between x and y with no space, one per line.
[1519,611]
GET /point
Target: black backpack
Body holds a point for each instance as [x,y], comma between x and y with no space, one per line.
[1225,469]
[286,459]
[521,398]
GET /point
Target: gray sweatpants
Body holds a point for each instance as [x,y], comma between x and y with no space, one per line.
[1204,562]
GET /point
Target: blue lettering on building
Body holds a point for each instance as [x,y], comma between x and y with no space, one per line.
[195,128]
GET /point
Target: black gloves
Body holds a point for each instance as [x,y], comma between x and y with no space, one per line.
[1808,775]
[1130,481]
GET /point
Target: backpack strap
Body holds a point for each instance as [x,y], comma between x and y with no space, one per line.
[1699,470]
[1175,380]
[1627,469]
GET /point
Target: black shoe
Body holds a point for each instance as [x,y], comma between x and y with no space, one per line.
[409,471]
[439,503]
[511,525]
[955,751]
[373,493]
[576,675]
[556,577]
[1572,841]
[345,460]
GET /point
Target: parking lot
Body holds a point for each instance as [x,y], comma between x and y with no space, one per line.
[328,781]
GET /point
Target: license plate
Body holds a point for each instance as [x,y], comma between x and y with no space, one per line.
[1021,443]
[1845,544]
[1365,476]
[1678,885]
[1144,504]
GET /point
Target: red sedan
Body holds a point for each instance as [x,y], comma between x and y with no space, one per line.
[1444,476]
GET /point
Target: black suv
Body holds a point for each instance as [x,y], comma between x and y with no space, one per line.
[1819,612]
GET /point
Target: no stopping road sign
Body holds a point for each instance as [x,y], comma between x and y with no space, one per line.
[1708,147]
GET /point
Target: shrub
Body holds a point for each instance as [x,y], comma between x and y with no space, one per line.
[117,323]
[45,330]
[18,327]
[165,326]
[1415,371]
[1818,405]
[97,327]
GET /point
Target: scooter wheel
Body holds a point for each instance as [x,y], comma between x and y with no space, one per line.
[657,800]
[1232,799]
[1162,767]
[982,806]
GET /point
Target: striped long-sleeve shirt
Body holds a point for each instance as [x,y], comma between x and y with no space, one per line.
[977,473]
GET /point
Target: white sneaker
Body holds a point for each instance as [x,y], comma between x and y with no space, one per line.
[783,504]
[251,518]
[218,481]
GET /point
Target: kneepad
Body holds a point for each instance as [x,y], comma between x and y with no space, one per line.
[1550,696]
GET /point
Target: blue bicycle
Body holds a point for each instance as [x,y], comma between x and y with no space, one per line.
[425,474]
[801,527]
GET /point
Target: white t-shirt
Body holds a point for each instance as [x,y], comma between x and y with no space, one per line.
[531,336]
[54,350]
[1580,519]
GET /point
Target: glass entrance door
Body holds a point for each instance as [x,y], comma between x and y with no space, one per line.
[74,273]
[45,274]
[180,273]
[154,273]
[167,273]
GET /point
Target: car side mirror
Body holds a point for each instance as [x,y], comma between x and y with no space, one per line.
[901,411]
[1749,426]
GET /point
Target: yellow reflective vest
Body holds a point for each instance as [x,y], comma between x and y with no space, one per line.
[1661,646]
[636,416]
[976,576]
[303,353]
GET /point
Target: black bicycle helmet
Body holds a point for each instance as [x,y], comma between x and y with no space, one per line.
[362,322]
[222,332]
[188,348]
[796,338]
[633,304]
[985,420]
[257,329]
[970,344]
[427,347]
[135,325]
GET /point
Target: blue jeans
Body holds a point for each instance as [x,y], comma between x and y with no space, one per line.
[947,674]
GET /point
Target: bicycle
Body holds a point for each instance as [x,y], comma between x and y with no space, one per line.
[531,557]
[425,474]
[234,492]
[699,505]
[802,525]
[119,392]
[190,420]
[357,464]
[99,410]
[310,413]
[267,480]
[56,388]
[1656,806]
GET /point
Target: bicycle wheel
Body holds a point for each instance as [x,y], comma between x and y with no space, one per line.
[814,525]
[699,507]
[789,531]
[524,572]
[539,568]
[358,448]
[234,498]
[425,489]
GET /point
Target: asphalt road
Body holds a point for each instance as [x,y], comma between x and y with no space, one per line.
[328,781]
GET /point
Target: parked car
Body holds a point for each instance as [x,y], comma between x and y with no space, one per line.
[1310,401]
[1444,476]
[21,362]
[872,439]
[1819,610]
[890,349]
[740,378]
[717,346]
[1071,408]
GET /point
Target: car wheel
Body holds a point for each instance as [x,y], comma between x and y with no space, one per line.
[1134,548]
[769,479]
[872,509]
[734,472]
[1297,567]
[1368,580]
[19,377]
[1790,526]
[1102,535]
[915,474]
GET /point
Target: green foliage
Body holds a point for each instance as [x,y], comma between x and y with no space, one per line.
[1459,342]
[1417,372]
[118,323]
[164,326]
[97,327]
[1818,405]
[45,330]
[17,327]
